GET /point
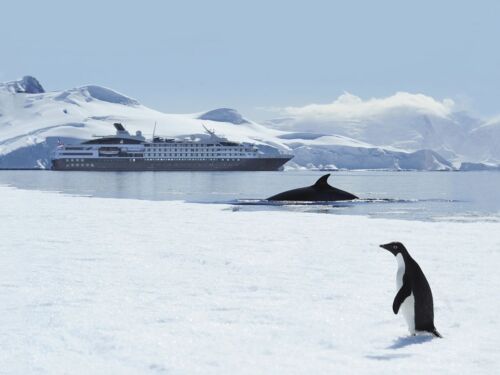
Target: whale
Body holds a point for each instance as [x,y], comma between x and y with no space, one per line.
[320,191]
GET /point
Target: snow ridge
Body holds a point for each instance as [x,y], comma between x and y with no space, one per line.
[26,85]
[224,115]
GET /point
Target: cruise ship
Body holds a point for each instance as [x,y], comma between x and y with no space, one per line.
[126,152]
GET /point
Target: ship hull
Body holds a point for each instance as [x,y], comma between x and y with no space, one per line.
[137,164]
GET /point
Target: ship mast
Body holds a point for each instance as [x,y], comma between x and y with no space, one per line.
[210,132]
[154,130]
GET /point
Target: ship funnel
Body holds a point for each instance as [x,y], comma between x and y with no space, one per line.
[119,127]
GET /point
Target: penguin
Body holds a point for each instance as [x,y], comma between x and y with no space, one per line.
[414,296]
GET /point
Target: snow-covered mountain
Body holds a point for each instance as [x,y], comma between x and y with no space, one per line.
[405,121]
[32,121]
[27,85]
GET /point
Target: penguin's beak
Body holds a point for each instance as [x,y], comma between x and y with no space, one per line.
[386,247]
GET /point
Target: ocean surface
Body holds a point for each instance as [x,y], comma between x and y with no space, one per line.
[434,196]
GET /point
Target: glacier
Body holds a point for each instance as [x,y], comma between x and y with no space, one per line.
[410,122]
[33,121]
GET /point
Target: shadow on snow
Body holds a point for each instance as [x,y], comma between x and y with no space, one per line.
[402,342]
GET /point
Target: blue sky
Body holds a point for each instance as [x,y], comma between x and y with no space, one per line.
[189,56]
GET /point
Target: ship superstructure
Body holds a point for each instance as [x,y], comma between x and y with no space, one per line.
[126,152]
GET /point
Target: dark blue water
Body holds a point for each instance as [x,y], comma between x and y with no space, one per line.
[458,196]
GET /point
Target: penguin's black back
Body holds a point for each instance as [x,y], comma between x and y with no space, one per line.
[424,305]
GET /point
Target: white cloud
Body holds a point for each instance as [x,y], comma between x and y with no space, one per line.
[351,107]
[404,121]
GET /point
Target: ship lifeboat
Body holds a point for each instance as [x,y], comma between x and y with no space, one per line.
[109,151]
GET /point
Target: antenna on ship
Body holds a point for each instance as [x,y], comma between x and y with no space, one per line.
[211,132]
[154,130]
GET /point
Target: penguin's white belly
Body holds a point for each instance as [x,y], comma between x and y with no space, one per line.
[408,310]
[401,271]
[408,306]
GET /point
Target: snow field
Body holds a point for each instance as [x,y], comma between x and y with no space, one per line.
[91,285]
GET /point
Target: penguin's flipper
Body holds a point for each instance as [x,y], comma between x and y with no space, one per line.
[403,294]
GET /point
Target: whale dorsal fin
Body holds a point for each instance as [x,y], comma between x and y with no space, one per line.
[322,181]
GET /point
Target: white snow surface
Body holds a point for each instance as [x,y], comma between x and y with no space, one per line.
[31,124]
[112,286]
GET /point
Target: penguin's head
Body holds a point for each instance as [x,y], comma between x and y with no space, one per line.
[394,247]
